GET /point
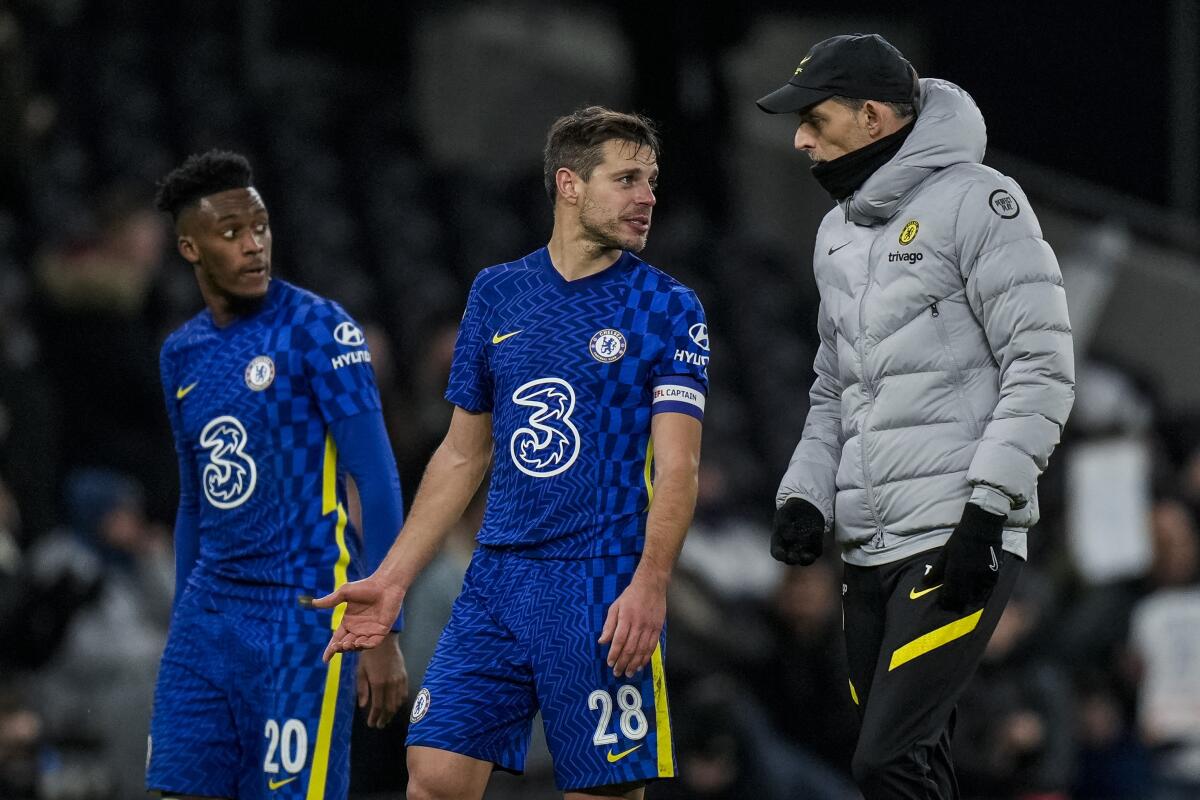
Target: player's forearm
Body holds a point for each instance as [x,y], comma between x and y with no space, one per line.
[450,481]
[667,523]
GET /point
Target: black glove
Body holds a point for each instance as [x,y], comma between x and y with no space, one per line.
[797,533]
[969,564]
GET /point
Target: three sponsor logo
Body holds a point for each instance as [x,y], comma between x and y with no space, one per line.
[229,478]
[549,442]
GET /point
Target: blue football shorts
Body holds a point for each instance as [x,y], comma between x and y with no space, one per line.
[522,639]
[245,708]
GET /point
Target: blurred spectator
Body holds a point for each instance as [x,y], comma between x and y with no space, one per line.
[20,738]
[28,446]
[97,692]
[724,548]
[1165,639]
[102,350]
[1015,737]
[417,418]
[27,115]
[728,751]
[1112,764]
[39,595]
[802,680]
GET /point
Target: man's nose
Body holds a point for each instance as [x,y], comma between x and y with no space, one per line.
[803,140]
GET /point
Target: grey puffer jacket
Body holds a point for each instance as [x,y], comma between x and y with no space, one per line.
[945,372]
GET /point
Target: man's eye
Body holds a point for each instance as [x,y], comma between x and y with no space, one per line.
[261,227]
[227,234]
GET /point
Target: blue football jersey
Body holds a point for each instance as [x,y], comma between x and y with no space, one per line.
[250,407]
[572,372]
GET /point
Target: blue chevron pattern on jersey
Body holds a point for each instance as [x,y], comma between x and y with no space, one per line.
[568,371]
[522,638]
[242,707]
[250,405]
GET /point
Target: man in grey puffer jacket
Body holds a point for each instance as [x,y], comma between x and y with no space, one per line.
[944,379]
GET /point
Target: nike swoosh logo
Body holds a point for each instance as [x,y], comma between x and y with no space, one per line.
[913,594]
[833,250]
[615,757]
[497,338]
[995,565]
[182,391]
[273,785]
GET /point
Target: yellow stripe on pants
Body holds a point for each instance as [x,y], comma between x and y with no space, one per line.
[934,639]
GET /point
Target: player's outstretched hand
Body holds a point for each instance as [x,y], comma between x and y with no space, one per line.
[382,682]
[372,606]
[634,625]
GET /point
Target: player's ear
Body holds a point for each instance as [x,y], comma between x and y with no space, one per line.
[871,115]
[187,249]
[567,185]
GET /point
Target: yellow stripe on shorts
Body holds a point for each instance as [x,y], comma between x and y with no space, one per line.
[333,673]
[662,715]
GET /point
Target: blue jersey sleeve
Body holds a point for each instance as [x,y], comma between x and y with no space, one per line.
[338,364]
[364,448]
[470,385]
[187,518]
[680,378]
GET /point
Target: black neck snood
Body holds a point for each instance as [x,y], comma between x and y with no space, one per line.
[842,176]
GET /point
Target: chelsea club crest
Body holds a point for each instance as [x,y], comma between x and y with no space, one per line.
[260,373]
[607,345]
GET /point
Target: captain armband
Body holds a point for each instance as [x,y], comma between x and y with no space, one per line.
[679,394]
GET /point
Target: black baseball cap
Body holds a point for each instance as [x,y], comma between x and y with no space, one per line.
[864,66]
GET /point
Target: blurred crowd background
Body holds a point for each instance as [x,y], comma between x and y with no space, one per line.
[398,147]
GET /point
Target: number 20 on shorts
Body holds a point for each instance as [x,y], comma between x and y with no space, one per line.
[632,720]
[289,743]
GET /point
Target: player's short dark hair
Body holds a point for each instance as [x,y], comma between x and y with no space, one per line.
[200,175]
[576,141]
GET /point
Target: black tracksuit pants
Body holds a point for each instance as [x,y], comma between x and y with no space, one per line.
[909,663]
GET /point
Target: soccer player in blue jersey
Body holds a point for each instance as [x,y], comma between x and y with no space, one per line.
[579,375]
[272,399]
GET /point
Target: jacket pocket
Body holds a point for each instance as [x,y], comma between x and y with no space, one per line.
[956,374]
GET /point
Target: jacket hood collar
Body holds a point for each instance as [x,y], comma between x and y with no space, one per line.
[949,130]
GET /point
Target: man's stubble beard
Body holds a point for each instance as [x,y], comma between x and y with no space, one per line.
[606,235]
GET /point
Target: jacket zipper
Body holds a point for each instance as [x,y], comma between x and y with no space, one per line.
[877,540]
[955,372]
